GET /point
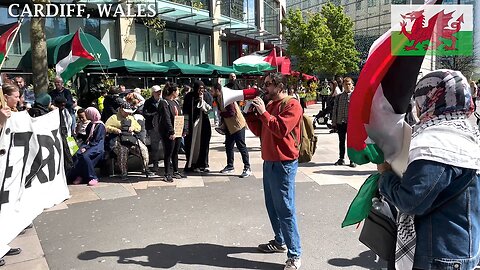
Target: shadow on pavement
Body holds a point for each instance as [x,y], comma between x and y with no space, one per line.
[365,259]
[345,173]
[315,164]
[168,255]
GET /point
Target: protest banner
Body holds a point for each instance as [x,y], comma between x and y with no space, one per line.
[31,171]
[178,125]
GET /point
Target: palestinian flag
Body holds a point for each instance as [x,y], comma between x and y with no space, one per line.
[376,128]
[6,33]
[72,57]
[256,62]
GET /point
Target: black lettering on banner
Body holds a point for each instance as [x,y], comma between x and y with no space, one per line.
[4,193]
[22,139]
[39,162]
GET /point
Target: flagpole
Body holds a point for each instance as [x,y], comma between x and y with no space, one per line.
[11,43]
[94,53]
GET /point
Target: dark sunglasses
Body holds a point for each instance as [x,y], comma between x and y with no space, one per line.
[267,84]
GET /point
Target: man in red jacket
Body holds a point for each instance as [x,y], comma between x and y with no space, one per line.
[274,125]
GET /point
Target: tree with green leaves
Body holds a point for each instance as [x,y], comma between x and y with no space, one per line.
[309,41]
[321,42]
[345,57]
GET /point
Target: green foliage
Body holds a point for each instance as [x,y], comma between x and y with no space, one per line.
[345,58]
[321,42]
[106,83]
[155,24]
[309,40]
[146,93]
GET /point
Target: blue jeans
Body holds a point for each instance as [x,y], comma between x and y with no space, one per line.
[239,139]
[279,190]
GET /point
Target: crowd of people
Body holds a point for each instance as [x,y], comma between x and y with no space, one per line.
[124,122]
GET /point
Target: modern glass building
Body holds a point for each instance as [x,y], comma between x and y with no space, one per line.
[196,31]
[371,18]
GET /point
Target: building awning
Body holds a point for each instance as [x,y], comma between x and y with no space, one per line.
[124,67]
[91,44]
[219,70]
[188,15]
[177,68]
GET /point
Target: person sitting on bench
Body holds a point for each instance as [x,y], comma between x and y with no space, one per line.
[124,126]
[91,151]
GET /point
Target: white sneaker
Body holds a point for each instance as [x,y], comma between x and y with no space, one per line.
[293,264]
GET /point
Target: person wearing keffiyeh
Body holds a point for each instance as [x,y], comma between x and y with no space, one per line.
[438,196]
[91,151]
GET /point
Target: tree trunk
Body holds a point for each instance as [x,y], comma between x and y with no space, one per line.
[39,53]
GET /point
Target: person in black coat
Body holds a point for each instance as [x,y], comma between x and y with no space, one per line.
[198,130]
[168,110]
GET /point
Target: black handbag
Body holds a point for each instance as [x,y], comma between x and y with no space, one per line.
[379,233]
[128,139]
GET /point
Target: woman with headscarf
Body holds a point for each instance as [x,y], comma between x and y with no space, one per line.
[438,196]
[91,151]
[196,106]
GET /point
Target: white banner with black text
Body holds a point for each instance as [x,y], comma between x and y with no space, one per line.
[32,174]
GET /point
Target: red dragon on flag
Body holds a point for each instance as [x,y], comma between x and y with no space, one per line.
[443,30]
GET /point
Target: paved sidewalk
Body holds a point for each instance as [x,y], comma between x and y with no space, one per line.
[207,221]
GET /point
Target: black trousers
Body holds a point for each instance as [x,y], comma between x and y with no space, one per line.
[342,135]
[171,154]
[239,139]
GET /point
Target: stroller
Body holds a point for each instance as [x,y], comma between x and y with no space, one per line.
[323,117]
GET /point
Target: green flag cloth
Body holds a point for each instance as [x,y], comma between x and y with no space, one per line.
[362,203]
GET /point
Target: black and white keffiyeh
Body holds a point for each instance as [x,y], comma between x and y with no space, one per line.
[444,134]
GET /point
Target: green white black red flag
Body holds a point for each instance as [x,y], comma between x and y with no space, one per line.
[72,57]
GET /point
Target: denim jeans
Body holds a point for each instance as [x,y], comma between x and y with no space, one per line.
[279,190]
[239,139]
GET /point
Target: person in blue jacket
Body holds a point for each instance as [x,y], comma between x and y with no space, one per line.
[91,151]
[438,196]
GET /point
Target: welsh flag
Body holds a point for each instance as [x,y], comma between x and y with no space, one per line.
[72,57]
[376,127]
[6,33]
[452,27]
[256,62]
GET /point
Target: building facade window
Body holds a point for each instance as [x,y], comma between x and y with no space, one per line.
[141,52]
[233,9]
[205,49]
[182,47]
[156,47]
[188,48]
[242,10]
[109,37]
[271,16]
[358,5]
[170,45]
[372,3]
[194,47]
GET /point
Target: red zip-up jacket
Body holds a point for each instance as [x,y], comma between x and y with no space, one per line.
[274,127]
